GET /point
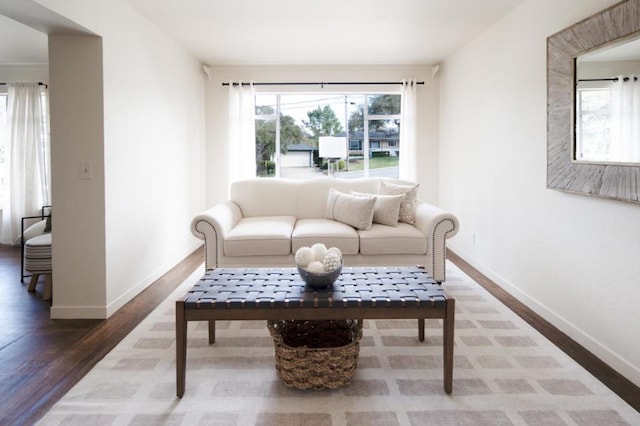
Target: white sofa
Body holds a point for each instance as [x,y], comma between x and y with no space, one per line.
[267,219]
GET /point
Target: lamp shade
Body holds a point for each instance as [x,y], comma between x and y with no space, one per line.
[332,147]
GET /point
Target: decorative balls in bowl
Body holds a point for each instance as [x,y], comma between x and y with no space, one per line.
[319,266]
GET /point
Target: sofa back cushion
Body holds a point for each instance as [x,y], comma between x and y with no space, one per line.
[305,199]
[265,197]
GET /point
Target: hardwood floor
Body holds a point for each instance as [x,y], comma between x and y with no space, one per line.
[41,359]
[599,369]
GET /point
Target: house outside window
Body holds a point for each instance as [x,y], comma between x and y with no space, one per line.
[288,128]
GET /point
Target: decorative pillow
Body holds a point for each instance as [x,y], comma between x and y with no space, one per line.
[34,230]
[386,209]
[409,199]
[356,211]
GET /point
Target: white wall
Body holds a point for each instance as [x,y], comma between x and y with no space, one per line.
[28,73]
[572,258]
[130,223]
[78,206]
[217,111]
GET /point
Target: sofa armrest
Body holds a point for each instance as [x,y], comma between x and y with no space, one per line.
[213,226]
[438,225]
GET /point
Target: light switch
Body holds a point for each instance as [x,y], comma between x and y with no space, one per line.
[85,170]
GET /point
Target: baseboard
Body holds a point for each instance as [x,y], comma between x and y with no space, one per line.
[621,365]
[75,312]
[138,288]
[105,312]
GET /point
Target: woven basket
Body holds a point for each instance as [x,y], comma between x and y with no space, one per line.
[316,368]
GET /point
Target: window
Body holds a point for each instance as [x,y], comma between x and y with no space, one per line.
[593,122]
[288,127]
[5,140]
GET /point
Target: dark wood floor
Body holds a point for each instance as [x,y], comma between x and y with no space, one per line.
[614,381]
[41,359]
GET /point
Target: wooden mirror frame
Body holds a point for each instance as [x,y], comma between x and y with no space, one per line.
[620,182]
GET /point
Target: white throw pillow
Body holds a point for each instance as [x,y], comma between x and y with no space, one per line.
[356,211]
[33,231]
[409,200]
[387,208]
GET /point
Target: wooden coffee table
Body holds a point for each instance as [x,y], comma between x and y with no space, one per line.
[279,293]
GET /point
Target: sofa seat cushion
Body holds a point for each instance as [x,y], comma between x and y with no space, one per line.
[331,233]
[257,236]
[401,239]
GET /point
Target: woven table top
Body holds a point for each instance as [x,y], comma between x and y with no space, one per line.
[264,288]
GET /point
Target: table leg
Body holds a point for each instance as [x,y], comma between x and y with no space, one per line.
[421,329]
[181,348]
[212,332]
[447,344]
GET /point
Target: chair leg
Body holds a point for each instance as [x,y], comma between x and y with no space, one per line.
[33,282]
[46,295]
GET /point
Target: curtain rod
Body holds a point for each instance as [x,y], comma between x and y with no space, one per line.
[607,79]
[320,83]
[39,84]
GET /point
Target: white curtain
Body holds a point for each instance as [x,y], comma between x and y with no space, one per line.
[27,163]
[625,120]
[408,132]
[242,132]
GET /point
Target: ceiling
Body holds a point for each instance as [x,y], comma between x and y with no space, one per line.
[302,32]
[20,44]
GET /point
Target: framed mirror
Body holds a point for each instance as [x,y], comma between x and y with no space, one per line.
[567,168]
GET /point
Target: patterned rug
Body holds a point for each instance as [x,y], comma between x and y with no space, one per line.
[505,373]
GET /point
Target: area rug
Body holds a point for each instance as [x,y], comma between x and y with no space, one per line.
[505,373]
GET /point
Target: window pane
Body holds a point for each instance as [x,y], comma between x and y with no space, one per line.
[593,130]
[265,148]
[304,118]
[383,104]
[265,104]
[384,147]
